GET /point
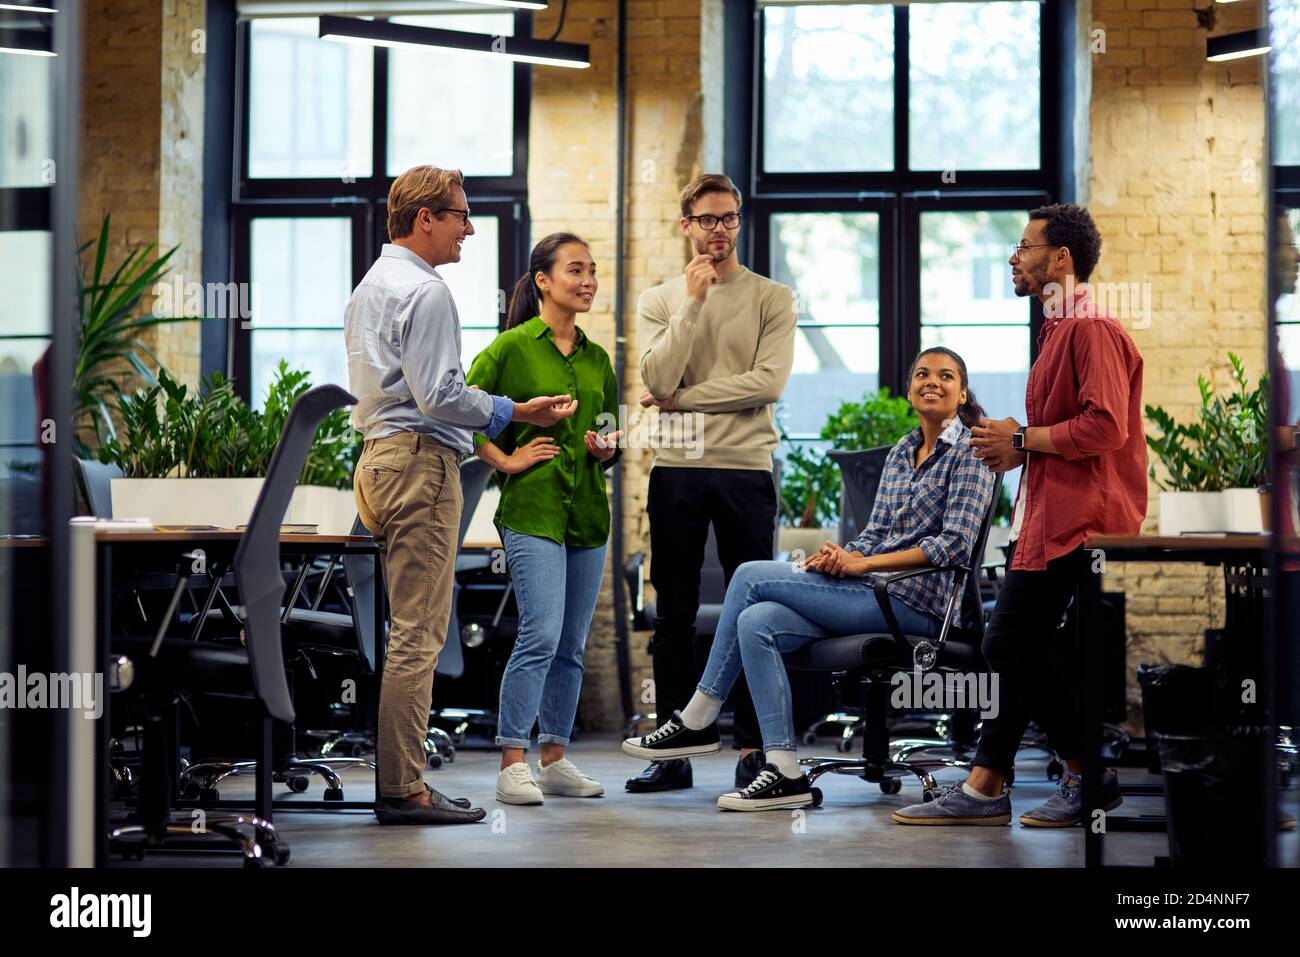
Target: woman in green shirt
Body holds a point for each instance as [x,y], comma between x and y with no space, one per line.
[554,514]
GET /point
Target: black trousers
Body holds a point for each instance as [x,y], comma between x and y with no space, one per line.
[681,503]
[1026,650]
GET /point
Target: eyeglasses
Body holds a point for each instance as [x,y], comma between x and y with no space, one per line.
[1018,250]
[463,213]
[707,222]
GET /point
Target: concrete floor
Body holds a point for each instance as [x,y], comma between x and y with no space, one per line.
[680,828]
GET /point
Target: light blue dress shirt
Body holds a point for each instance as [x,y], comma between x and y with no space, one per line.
[403,338]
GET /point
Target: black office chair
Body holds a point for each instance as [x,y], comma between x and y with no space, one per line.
[166,670]
[864,665]
[95,483]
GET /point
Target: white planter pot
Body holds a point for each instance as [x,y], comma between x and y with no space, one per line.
[1190,512]
[227,503]
[807,540]
[1241,511]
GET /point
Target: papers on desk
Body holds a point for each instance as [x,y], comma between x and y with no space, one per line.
[113,524]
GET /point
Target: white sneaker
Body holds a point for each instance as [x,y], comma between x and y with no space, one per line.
[563,778]
[515,785]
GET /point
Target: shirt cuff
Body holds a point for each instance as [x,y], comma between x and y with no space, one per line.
[1064,442]
[503,411]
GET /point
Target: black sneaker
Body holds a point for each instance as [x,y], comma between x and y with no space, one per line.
[770,791]
[673,739]
[747,769]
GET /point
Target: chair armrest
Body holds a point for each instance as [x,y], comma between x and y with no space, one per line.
[880,588]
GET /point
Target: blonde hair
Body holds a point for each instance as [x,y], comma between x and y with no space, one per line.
[420,187]
[707,183]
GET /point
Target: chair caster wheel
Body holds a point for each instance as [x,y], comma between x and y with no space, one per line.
[281,856]
[929,794]
[255,863]
[355,751]
[844,746]
[334,794]
[1054,770]
[190,790]
[448,754]
[809,738]
[816,797]
[209,794]
[297,783]
[891,786]
[435,761]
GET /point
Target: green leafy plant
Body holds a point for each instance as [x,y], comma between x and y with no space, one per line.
[168,431]
[810,482]
[109,330]
[1226,448]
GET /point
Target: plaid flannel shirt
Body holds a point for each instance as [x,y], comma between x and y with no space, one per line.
[936,508]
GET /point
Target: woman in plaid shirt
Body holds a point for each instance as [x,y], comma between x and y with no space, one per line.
[933,495]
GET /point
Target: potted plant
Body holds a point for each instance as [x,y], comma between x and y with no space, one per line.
[200,457]
[1216,467]
[810,481]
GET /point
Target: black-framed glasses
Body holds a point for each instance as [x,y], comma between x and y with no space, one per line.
[1018,250]
[708,222]
[463,213]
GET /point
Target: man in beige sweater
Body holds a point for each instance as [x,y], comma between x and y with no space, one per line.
[717,340]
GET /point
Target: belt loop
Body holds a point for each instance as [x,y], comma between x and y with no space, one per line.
[415,443]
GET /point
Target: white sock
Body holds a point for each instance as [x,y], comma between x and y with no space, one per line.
[787,762]
[701,711]
[976,794]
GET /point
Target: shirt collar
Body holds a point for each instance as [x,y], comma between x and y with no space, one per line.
[394,251]
[538,329]
[951,434]
[1080,304]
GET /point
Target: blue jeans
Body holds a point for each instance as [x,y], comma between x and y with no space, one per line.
[771,609]
[556,587]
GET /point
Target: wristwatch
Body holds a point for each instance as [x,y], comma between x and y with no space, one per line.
[1018,439]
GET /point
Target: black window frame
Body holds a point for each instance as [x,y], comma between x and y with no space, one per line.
[900,195]
[364,201]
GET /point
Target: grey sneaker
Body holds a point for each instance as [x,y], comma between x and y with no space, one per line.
[1064,808]
[955,806]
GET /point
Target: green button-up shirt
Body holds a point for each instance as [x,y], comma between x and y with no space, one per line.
[564,498]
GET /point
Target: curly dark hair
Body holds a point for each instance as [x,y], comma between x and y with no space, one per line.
[1071,226]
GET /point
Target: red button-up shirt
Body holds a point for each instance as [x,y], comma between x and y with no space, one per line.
[1087,387]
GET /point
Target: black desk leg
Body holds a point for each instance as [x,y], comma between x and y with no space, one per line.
[381,647]
[1090,675]
[103,652]
[265,767]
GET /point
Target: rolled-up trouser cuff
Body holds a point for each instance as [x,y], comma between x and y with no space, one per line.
[553,739]
[401,792]
[512,742]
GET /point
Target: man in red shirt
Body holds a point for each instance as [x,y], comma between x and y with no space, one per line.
[1083,449]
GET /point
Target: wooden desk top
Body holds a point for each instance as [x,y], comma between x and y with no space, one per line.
[223,535]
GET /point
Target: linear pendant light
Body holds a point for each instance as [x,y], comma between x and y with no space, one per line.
[25,42]
[521,49]
[1235,46]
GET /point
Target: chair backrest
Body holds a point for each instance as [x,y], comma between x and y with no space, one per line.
[972,606]
[474,476]
[257,558]
[97,485]
[359,573]
[860,471]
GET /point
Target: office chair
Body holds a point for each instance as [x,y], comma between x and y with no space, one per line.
[167,670]
[440,744]
[864,665]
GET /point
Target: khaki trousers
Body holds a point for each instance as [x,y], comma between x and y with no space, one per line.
[408,494]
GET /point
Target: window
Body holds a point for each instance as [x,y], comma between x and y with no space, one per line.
[326,127]
[897,150]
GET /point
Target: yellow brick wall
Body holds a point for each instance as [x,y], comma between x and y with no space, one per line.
[1176,189]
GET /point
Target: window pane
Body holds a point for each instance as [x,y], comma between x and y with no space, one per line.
[1289,341]
[830,366]
[323,354]
[1288,303]
[310,102]
[997,361]
[973,86]
[301,270]
[828,88]
[25,113]
[24,280]
[1284,21]
[474,285]
[449,110]
[964,273]
[832,261]
[18,420]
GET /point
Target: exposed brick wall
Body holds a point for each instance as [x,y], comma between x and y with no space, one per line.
[1176,188]
[142,140]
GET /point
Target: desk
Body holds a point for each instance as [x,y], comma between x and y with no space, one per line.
[93,553]
[1244,559]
